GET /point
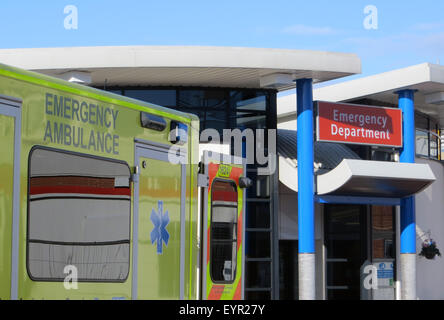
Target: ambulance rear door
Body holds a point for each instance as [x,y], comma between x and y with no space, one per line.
[222,209]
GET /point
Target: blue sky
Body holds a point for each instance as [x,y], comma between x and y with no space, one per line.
[409,32]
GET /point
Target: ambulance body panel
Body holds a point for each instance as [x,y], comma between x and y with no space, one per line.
[97,181]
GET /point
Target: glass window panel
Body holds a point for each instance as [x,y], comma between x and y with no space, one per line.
[434,146]
[214,124]
[259,274]
[383,226]
[346,272]
[389,248]
[433,126]
[383,247]
[344,242]
[258,214]
[223,213]
[382,218]
[248,108]
[214,120]
[422,143]
[249,120]
[260,187]
[250,100]
[252,104]
[79,214]
[166,98]
[288,270]
[343,219]
[209,119]
[427,139]
[258,244]
[421,122]
[381,155]
[223,236]
[202,98]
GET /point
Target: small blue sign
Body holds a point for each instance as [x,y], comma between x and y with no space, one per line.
[383,272]
[160,220]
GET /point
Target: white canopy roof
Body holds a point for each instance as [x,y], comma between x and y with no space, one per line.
[375,179]
[187,65]
[339,171]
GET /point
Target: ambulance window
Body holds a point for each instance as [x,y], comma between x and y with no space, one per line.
[223,243]
[78,215]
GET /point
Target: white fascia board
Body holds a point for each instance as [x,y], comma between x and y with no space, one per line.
[385,82]
[334,179]
[180,56]
[348,168]
[384,169]
[436,73]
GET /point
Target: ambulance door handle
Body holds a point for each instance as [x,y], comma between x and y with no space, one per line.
[135,175]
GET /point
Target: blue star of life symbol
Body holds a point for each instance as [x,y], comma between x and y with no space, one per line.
[160,220]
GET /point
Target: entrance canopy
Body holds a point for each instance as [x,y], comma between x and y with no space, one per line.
[375,179]
[201,66]
[340,172]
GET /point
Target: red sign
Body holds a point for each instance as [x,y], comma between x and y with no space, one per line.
[357,124]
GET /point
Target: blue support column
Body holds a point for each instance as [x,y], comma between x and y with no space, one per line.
[306,225]
[408,221]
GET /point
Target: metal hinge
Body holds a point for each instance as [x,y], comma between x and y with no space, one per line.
[203,180]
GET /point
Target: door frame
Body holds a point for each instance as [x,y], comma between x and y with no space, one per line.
[11,107]
[364,236]
[157,151]
[204,211]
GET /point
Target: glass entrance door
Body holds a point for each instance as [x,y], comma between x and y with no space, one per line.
[355,237]
[383,251]
[346,246]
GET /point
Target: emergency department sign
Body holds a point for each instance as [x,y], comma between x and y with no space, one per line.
[357,124]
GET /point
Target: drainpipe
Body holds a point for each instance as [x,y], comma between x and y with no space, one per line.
[306,256]
[408,220]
